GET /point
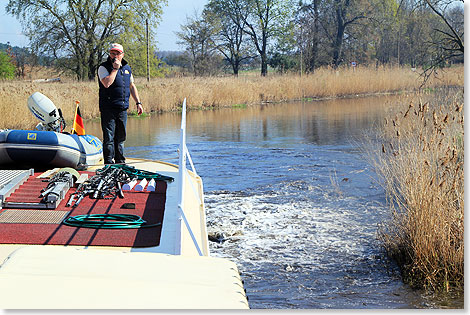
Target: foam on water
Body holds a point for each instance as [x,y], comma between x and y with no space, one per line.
[301,238]
[283,225]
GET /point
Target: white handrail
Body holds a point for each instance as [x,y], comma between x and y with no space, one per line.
[190,160]
[182,173]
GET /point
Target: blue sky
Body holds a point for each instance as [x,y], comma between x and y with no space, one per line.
[174,14]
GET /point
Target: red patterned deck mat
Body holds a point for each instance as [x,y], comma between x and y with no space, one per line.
[150,206]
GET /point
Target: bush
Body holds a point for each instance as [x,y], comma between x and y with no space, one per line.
[7,68]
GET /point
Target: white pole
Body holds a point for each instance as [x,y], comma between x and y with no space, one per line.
[182,181]
[182,157]
[148,47]
[181,177]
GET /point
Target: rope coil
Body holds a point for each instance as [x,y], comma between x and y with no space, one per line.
[108,221]
[134,172]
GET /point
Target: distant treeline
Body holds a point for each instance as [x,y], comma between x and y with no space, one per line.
[25,55]
[305,35]
[235,35]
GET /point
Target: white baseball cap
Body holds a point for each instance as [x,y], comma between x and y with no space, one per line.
[116,46]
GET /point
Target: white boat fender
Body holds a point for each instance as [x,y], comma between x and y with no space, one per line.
[151,185]
[129,185]
[141,185]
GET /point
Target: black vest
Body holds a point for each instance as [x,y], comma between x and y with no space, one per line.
[116,96]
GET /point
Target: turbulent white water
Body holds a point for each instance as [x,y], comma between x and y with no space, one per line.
[306,239]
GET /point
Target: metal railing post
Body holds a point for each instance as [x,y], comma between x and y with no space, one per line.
[182,180]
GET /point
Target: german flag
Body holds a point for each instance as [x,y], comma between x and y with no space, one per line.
[78,127]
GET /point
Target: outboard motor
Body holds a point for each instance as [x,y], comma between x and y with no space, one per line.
[44,110]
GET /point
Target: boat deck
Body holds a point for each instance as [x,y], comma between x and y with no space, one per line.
[168,238]
[28,225]
[47,265]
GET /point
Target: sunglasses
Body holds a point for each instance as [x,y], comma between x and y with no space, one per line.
[114,53]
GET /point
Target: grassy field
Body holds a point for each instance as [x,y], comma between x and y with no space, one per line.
[420,160]
[167,94]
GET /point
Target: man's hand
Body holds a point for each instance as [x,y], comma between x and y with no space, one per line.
[116,63]
[135,96]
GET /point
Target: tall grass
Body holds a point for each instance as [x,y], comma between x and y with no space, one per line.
[421,166]
[167,94]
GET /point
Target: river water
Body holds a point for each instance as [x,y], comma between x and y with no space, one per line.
[291,200]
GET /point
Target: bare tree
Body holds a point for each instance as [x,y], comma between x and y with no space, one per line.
[197,36]
[309,34]
[346,13]
[230,36]
[265,21]
[450,43]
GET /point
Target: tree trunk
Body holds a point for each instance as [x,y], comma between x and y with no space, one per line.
[316,28]
[338,44]
[236,66]
[264,57]
[92,66]
[264,64]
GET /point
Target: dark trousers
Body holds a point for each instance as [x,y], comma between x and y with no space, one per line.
[113,125]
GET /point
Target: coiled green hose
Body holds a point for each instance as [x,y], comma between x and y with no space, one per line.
[108,221]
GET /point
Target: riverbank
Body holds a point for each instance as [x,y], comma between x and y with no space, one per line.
[167,94]
[420,161]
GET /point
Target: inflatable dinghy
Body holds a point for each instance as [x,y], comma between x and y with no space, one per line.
[48,145]
[30,147]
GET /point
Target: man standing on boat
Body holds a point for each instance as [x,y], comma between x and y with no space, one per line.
[116,85]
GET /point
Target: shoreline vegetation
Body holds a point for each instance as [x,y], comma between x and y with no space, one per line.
[418,158]
[167,94]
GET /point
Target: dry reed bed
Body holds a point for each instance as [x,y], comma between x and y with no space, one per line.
[421,166]
[167,94]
